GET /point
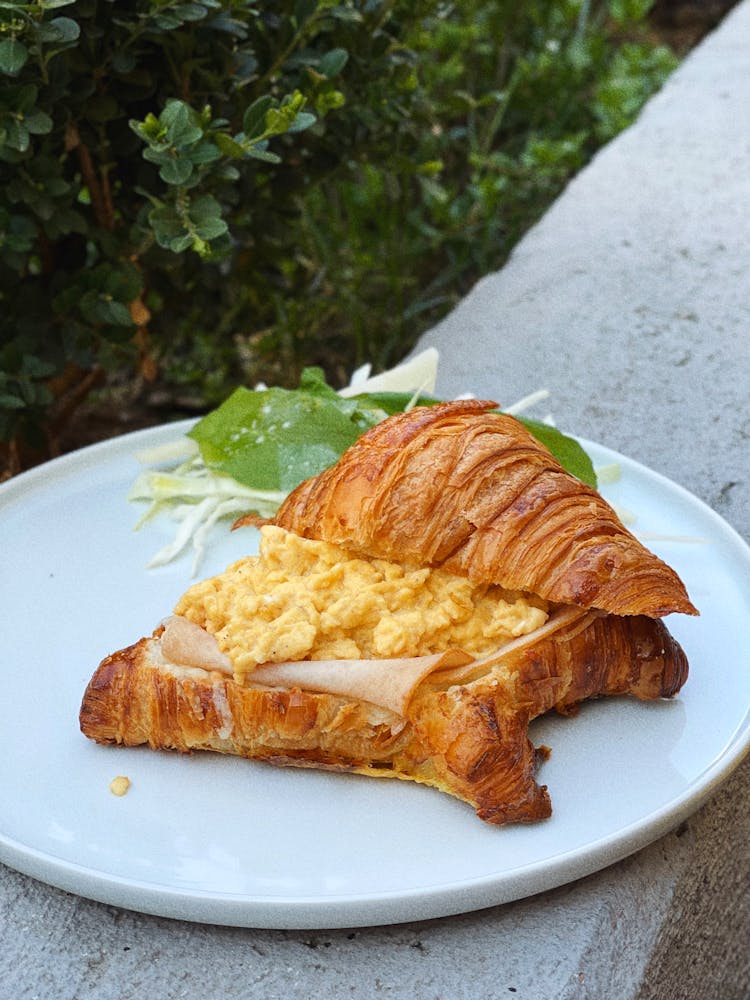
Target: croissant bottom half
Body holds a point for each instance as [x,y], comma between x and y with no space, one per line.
[467,737]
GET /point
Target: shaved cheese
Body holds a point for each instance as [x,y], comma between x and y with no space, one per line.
[389,683]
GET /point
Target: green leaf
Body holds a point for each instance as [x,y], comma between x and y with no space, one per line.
[230,25]
[274,439]
[19,234]
[333,62]
[36,367]
[123,282]
[176,170]
[191,11]
[167,21]
[313,380]
[63,221]
[568,452]
[59,29]
[303,120]
[166,224]
[205,214]
[117,313]
[178,119]
[254,118]
[211,229]
[392,402]
[204,208]
[97,307]
[25,98]
[245,67]
[204,152]
[13,56]
[180,243]
[624,11]
[56,187]
[123,61]
[260,153]
[38,123]
[228,146]
[328,100]
[281,119]
[8,402]
[17,136]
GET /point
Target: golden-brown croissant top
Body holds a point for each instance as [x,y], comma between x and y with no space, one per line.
[472,491]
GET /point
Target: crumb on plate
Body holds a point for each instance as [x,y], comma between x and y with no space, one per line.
[119,785]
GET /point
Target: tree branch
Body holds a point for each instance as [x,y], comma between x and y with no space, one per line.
[98,186]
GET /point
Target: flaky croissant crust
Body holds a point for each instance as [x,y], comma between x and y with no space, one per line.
[472,491]
[469,739]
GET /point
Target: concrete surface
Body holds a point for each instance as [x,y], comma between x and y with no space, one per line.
[630,301]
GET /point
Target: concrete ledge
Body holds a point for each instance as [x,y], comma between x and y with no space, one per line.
[630,301]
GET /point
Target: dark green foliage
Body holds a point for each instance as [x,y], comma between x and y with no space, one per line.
[228,190]
[510,100]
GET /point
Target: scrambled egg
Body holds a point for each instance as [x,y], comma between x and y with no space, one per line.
[301,599]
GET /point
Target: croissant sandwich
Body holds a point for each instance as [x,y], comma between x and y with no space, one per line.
[410,611]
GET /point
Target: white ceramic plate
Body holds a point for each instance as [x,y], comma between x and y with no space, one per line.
[221,840]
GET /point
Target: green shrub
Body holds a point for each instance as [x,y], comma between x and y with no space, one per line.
[206,192]
[513,99]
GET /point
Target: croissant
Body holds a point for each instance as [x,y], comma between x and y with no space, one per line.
[473,491]
[465,507]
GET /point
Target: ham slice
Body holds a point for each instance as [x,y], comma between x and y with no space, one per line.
[389,683]
[188,645]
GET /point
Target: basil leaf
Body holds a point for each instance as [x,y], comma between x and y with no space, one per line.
[566,450]
[313,380]
[392,402]
[272,439]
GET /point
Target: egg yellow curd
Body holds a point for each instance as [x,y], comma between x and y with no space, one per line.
[300,599]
